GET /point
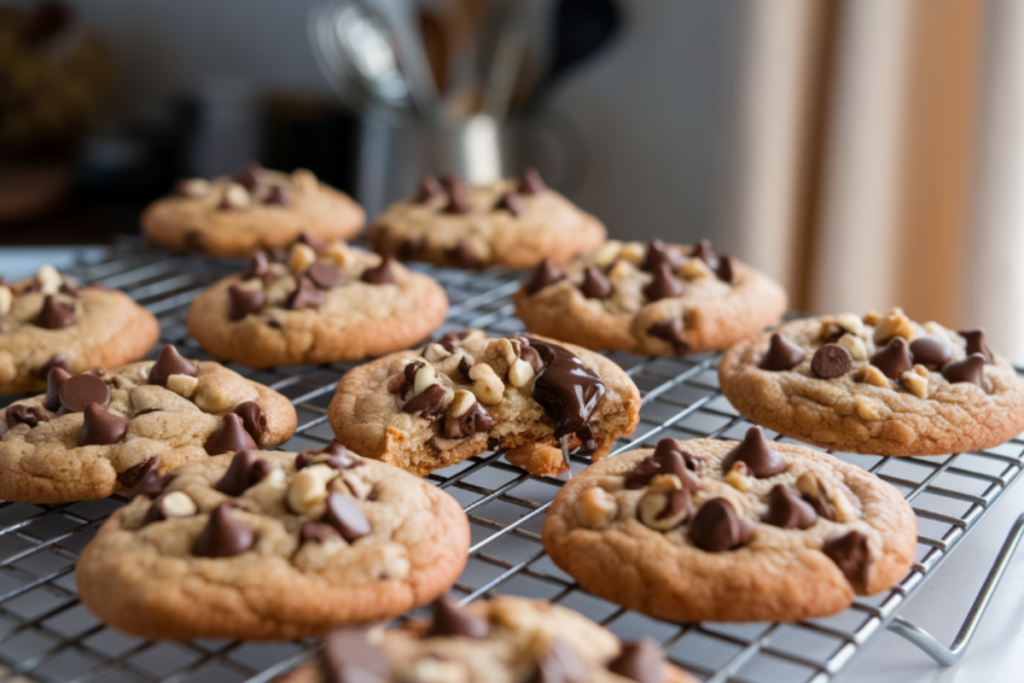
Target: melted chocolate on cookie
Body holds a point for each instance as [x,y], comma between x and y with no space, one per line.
[568,391]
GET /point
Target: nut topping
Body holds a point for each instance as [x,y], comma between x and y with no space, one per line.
[236,197]
[49,279]
[182,385]
[520,373]
[869,374]
[895,324]
[595,507]
[308,492]
[856,347]
[301,258]
[177,504]
[424,377]
[915,383]
[664,511]
[487,386]
[5,299]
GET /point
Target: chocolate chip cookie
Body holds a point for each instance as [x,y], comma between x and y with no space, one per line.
[876,384]
[99,433]
[465,394]
[322,304]
[658,299]
[730,531]
[254,208]
[50,321]
[505,640]
[273,546]
[511,223]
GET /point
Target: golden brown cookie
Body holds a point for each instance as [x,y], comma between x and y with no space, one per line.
[730,531]
[335,303]
[99,433]
[466,394]
[49,321]
[879,385]
[254,208]
[661,299]
[273,546]
[505,640]
[508,223]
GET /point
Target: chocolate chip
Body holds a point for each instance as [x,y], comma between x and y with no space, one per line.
[976,343]
[258,266]
[253,419]
[349,657]
[717,527]
[931,352]
[450,340]
[668,458]
[246,469]
[664,284]
[380,274]
[311,241]
[894,358]
[57,361]
[823,507]
[476,420]
[325,274]
[54,381]
[333,455]
[346,517]
[20,413]
[595,284]
[223,535]
[788,510]
[279,196]
[755,453]
[230,438]
[452,621]
[251,177]
[782,354]
[970,369]
[567,390]
[547,273]
[144,479]
[306,295]
[531,356]
[411,247]
[463,255]
[704,252]
[318,532]
[831,361]
[458,202]
[642,661]
[428,189]
[852,555]
[244,301]
[560,665]
[401,384]
[531,182]
[724,271]
[55,315]
[428,404]
[672,330]
[101,428]
[278,253]
[80,390]
[658,253]
[168,363]
[510,202]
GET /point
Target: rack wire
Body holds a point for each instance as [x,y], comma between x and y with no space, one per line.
[47,635]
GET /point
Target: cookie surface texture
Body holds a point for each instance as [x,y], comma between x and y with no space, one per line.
[92,435]
[283,553]
[466,394]
[659,299]
[888,386]
[781,535]
[336,304]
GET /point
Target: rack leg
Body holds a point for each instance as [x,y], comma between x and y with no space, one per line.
[949,655]
[565,453]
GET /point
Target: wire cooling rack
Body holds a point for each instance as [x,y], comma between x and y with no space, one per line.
[47,635]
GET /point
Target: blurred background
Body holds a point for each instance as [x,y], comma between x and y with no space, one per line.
[866,153]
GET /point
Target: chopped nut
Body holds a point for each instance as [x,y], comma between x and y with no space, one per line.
[620,272]
[809,485]
[450,364]
[611,482]
[607,253]
[869,374]
[237,197]
[276,478]
[304,180]
[182,385]
[433,670]
[812,486]
[5,300]
[828,327]
[738,477]
[656,510]
[255,284]
[487,386]
[212,397]
[195,187]
[49,279]
[844,508]
[915,383]
[849,322]
[661,483]
[894,324]
[504,349]
[696,268]
[936,330]
[921,370]
[867,409]
[308,492]
[462,402]
[855,345]
[595,507]
[424,377]
[351,485]
[520,374]
[178,504]
[435,352]
[337,252]
[871,318]
[633,252]
[301,258]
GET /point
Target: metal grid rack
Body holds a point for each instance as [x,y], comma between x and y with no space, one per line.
[47,635]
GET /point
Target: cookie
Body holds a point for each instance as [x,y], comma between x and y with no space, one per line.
[510,223]
[879,385]
[254,208]
[664,300]
[49,321]
[505,640]
[730,531]
[336,305]
[99,433]
[266,545]
[466,394]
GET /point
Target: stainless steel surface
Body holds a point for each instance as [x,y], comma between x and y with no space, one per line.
[46,635]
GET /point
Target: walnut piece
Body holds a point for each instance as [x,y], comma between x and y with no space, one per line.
[182,385]
[487,386]
[308,492]
[869,374]
[302,256]
[915,383]
[595,507]
[5,300]
[894,324]
[855,345]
